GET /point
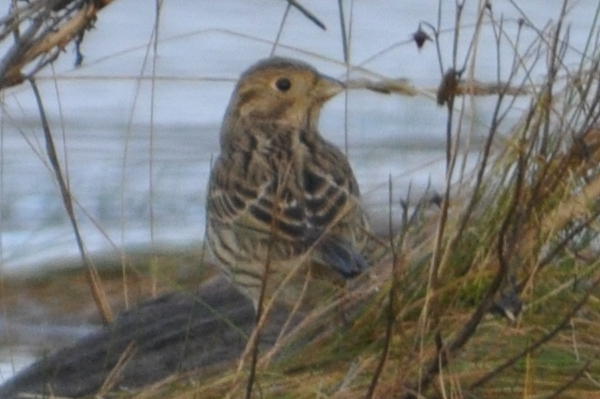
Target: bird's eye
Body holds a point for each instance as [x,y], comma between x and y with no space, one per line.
[283,84]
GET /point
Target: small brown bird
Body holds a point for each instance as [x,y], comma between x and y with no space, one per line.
[281,199]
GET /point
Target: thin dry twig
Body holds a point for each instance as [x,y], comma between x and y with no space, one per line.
[92,273]
[576,376]
[345,37]
[391,314]
[113,377]
[41,30]
[307,13]
[403,87]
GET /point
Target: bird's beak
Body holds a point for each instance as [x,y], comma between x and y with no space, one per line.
[327,87]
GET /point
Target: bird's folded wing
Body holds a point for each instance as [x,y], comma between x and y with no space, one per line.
[257,205]
[315,208]
[333,210]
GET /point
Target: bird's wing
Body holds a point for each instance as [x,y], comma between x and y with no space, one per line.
[311,203]
[336,221]
[249,193]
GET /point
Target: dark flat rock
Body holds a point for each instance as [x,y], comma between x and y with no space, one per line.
[178,331]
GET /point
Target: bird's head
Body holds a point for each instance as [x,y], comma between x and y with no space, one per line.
[281,90]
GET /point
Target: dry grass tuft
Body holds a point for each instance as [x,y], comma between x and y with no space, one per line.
[522,232]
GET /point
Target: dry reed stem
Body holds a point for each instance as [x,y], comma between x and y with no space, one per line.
[92,274]
[403,87]
[113,377]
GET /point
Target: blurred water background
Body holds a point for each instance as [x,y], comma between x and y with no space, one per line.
[137,123]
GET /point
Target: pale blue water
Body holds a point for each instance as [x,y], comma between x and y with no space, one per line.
[130,158]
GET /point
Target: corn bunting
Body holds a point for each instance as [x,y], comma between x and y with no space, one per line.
[283,204]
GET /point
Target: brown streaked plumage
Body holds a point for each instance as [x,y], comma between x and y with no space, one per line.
[280,197]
